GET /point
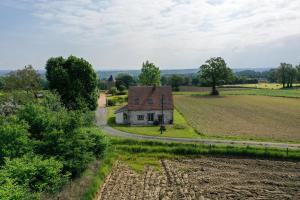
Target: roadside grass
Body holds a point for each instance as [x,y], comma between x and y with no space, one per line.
[180,129]
[259,118]
[138,154]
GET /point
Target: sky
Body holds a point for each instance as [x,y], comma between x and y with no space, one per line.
[176,34]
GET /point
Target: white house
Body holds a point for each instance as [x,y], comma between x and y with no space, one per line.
[147,105]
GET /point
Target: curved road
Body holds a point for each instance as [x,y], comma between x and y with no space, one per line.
[101,122]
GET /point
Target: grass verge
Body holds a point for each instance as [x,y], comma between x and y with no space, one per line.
[105,167]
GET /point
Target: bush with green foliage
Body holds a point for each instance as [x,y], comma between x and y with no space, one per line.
[35,173]
[57,133]
[113,91]
[14,138]
[9,190]
[43,144]
[111,102]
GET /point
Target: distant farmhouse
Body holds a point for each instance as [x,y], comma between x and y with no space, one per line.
[147,105]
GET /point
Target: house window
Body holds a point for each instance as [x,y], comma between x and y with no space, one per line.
[150,101]
[150,117]
[136,101]
[140,117]
[125,116]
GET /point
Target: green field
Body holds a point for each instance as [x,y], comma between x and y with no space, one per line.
[261,85]
[243,116]
[292,93]
[180,128]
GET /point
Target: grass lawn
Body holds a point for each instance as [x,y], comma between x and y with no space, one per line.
[180,128]
[243,117]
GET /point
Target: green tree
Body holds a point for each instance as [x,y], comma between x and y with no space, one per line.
[75,80]
[272,75]
[282,74]
[113,91]
[291,75]
[2,82]
[164,80]
[298,72]
[26,79]
[150,74]
[215,72]
[125,80]
[175,81]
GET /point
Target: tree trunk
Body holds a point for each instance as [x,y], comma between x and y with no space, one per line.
[214,90]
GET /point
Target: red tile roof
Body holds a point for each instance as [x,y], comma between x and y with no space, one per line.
[149,98]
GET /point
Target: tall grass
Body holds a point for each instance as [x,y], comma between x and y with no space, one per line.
[104,169]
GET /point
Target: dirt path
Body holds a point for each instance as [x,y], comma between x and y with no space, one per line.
[206,178]
[101,110]
[102,100]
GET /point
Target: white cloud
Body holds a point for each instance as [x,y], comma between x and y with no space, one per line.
[167,29]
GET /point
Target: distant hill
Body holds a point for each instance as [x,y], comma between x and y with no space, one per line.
[4,71]
[104,74]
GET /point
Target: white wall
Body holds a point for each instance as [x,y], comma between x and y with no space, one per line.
[134,121]
[119,118]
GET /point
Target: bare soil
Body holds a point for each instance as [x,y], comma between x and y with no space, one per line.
[206,178]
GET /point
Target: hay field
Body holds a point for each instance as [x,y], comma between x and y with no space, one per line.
[243,116]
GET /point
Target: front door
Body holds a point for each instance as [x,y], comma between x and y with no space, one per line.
[150,117]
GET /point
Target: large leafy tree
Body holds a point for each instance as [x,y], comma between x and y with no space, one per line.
[175,81]
[298,72]
[150,74]
[124,80]
[282,74]
[26,79]
[75,80]
[215,72]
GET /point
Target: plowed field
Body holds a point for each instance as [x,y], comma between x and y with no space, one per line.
[206,178]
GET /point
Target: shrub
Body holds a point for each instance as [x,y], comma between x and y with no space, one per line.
[14,138]
[35,173]
[113,91]
[111,102]
[9,190]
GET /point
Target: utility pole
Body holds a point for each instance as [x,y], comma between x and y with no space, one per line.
[162,114]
